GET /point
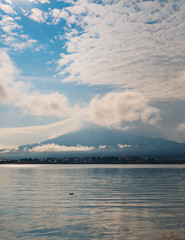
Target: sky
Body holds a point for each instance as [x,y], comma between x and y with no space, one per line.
[66,64]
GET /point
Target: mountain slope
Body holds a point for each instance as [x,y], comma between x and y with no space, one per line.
[119,142]
[101,141]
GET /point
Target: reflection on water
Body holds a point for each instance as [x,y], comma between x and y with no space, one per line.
[109,202]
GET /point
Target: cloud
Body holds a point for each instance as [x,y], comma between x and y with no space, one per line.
[102,146]
[124,145]
[7,149]
[136,45]
[38,15]
[19,94]
[181,127]
[7,67]
[3,93]
[9,1]
[7,9]
[32,134]
[12,36]
[53,104]
[7,71]
[110,110]
[57,14]
[40,1]
[52,16]
[31,102]
[117,107]
[58,148]
[9,25]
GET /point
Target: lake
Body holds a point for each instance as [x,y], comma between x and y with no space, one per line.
[126,202]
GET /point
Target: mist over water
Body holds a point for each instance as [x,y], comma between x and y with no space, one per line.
[130,202]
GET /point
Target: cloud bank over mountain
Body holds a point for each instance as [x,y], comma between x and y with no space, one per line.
[116,64]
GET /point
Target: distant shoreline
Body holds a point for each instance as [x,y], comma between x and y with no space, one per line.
[95,160]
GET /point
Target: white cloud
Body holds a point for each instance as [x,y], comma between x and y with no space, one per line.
[45,104]
[111,110]
[7,71]
[38,15]
[150,115]
[102,146]
[55,12]
[3,92]
[7,149]
[32,134]
[58,148]
[136,45]
[124,145]
[9,25]
[116,107]
[9,1]
[52,16]
[181,127]
[19,46]
[7,67]
[32,102]
[40,1]
[12,37]
[58,14]
[25,12]
[7,9]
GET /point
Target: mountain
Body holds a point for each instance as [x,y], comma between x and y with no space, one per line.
[119,142]
[103,142]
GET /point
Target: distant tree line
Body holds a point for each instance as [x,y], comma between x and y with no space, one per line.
[95,160]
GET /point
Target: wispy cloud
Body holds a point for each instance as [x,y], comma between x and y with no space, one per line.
[9,25]
[40,1]
[32,134]
[12,36]
[136,45]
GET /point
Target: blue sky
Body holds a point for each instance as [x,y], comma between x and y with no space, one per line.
[113,63]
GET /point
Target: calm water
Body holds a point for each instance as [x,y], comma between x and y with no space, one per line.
[110,202]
